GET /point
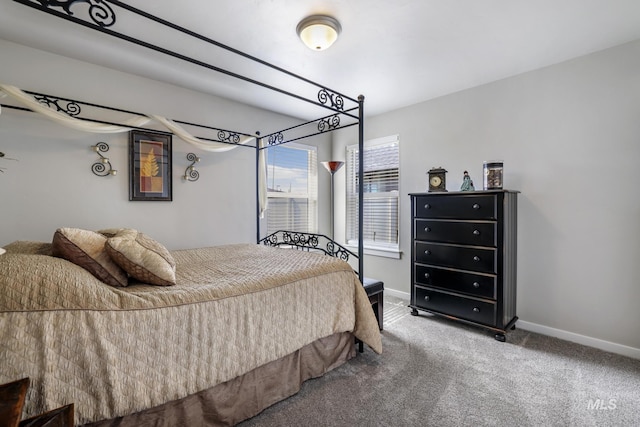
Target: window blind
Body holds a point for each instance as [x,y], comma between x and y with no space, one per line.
[292,188]
[380,198]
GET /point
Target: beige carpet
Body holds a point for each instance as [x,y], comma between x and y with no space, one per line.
[435,372]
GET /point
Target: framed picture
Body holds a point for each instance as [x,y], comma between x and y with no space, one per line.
[149,166]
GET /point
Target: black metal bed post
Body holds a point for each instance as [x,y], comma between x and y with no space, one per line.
[258,187]
[360,186]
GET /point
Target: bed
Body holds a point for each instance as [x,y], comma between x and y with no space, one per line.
[242,328]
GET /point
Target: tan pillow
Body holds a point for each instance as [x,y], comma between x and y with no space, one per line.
[29,247]
[87,249]
[109,232]
[142,257]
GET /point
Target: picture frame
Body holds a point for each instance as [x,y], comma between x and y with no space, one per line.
[150,166]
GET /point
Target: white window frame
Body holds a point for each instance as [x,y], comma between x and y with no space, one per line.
[390,250]
[311,193]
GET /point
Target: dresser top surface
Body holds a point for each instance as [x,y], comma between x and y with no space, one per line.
[458,193]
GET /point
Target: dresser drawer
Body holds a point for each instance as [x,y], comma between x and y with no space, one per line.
[477,233]
[466,308]
[456,281]
[463,257]
[456,206]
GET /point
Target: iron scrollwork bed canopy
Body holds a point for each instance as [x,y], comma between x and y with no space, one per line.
[102,16]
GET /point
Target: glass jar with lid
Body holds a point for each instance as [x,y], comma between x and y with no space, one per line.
[492,174]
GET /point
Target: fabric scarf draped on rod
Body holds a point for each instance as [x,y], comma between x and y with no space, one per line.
[88,126]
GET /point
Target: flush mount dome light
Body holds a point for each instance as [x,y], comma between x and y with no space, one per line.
[318,32]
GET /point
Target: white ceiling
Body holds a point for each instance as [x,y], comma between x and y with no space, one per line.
[395,52]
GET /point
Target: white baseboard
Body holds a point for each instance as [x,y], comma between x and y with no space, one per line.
[398,294]
[580,339]
[557,333]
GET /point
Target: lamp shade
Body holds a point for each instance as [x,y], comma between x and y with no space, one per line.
[332,166]
[318,32]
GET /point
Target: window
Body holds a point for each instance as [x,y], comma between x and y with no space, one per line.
[292,182]
[380,198]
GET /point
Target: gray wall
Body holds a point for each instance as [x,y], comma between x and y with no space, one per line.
[569,137]
[52,184]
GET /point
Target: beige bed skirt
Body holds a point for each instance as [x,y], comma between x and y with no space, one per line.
[243,397]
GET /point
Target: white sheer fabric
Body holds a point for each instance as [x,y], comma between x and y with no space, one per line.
[262,180]
[180,132]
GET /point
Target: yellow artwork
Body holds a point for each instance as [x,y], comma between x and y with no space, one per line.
[149,166]
[151,179]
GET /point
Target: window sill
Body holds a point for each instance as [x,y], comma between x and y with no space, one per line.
[384,252]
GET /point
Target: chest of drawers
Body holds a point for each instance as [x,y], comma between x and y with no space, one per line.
[463,257]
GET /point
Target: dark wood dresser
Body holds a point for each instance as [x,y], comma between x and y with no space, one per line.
[463,257]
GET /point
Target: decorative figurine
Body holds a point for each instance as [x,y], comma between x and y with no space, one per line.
[467,184]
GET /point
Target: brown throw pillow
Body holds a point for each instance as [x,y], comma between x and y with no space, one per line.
[142,257]
[12,397]
[87,249]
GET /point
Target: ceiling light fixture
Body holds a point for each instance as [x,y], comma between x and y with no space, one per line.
[318,32]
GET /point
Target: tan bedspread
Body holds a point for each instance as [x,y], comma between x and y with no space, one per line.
[114,351]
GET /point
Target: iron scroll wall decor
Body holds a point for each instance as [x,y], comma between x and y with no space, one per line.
[190,173]
[2,156]
[103,166]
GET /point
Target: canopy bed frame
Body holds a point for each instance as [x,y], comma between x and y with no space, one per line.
[346,111]
[229,405]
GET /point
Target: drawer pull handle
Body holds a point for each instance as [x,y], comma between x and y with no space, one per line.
[427,229]
[476,233]
[476,206]
[427,206]
[476,258]
[426,298]
[476,285]
[427,252]
[476,309]
[427,275]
